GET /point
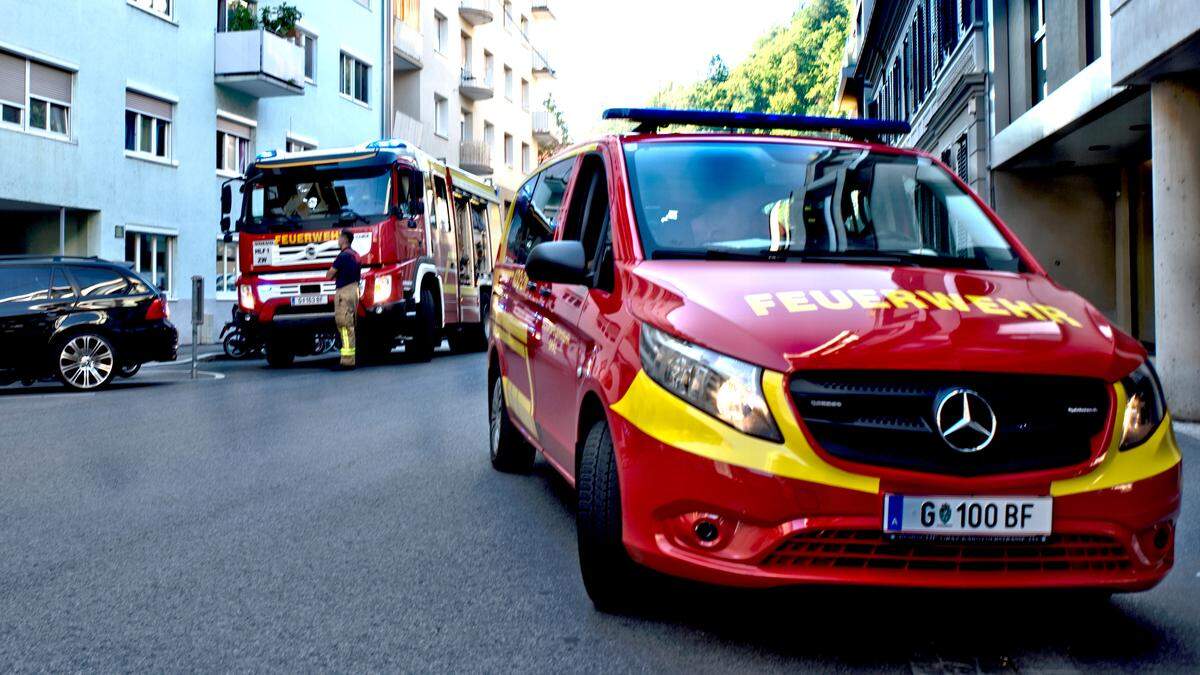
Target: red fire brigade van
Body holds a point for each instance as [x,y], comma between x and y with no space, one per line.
[767,359]
[422,230]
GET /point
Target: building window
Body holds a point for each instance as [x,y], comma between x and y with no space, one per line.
[1037,50]
[147,125]
[441,116]
[467,61]
[466,125]
[153,256]
[227,269]
[308,42]
[35,96]
[296,145]
[525,26]
[159,7]
[526,158]
[489,136]
[507,15]
[489,68]
[408,12]
[508,150]
[524,94]
[442,33]
[1093,17]
[233,146]
[356,79]
[508,83]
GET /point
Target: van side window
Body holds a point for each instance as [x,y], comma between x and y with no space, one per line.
[24,284]
[99,281]
[441,205]
[588,219]
[536,210]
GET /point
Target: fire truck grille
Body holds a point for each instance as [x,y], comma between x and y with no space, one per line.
[865,549]
[887,419]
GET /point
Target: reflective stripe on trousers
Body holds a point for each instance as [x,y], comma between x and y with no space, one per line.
[345,313]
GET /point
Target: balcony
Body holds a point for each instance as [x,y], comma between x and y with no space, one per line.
[259,63]
[541,65]
[475,157]
[474,87]
[408,129]
[476,12]
[408,45]
[545,130]
[543,9]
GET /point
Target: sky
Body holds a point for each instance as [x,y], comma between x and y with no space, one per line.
[618,53]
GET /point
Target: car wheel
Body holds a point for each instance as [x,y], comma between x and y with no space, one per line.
[85,361]
[279,355]
[128,370]
[510,452]
[424,338]
[609,576]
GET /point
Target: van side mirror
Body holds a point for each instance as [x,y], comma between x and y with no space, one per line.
[417,207]
[226,200]
[225,224]
[558,262]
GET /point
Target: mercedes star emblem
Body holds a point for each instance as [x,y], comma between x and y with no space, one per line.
[310,252]
[965,420]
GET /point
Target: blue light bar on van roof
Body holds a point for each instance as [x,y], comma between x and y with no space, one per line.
[387,143]
[266,154]
[649,120]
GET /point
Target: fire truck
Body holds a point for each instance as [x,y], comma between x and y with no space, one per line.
[424,232]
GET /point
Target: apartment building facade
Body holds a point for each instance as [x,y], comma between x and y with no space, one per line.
[1083,123]
[469,81]
[120,120]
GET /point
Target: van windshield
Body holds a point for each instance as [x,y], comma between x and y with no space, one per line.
[317,198]
[793,201]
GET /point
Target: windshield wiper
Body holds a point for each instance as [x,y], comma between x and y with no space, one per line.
[350,215]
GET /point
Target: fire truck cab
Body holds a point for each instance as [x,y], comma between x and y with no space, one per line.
[422,230]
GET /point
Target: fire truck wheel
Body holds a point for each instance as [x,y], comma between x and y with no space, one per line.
[611,579]
[424,338]
[510,452]
[280,355]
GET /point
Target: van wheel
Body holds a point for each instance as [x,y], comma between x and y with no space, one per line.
[280,355]
[424,338]
[609,576]
[85,361]
[510,452]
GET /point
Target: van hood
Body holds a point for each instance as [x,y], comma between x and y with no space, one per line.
[799,316]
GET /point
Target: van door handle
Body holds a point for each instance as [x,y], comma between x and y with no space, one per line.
[544,291]
[530,286]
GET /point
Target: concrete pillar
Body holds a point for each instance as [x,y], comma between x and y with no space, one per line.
[1175,138]
[62,230]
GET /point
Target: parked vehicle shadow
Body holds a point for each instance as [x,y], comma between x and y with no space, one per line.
[915,630]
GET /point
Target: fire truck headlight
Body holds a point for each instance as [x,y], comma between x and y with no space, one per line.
[1145,406]
[246,297]
[722,386]
[382,291]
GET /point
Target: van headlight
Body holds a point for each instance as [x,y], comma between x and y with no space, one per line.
[246,297]
[722,386]
[1145,405]
[381,292]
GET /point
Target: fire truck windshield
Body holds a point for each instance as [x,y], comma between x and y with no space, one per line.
[317,198]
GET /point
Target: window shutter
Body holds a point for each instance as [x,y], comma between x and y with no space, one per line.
[12,79]
[960,163]
[234,128]
[148,105]
[49,82]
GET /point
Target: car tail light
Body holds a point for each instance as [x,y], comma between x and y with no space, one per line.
[158,310]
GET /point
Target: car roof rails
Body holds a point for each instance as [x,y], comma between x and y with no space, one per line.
[650,120]
[30,257]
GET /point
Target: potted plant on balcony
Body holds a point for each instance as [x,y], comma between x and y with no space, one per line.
[281,20]
[242,18]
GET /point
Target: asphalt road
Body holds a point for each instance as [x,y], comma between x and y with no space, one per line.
[308,520]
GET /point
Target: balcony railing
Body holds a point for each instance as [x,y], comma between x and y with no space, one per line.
[541,65]
[474,87]
[475,157]
[408,45]
[545,130]
[476,12]
[408,129]
[259,63]
[544,8]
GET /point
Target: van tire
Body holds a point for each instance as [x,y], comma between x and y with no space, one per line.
[609,575]
[425,332]
[510,452]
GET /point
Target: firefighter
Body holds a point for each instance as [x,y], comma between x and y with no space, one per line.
[346,272]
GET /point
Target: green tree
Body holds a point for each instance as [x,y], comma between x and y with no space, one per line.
[560,120]
[792,69]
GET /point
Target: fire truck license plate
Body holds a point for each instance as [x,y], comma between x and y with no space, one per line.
[974,516]
[310,300]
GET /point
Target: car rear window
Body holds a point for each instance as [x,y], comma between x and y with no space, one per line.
[100,281]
